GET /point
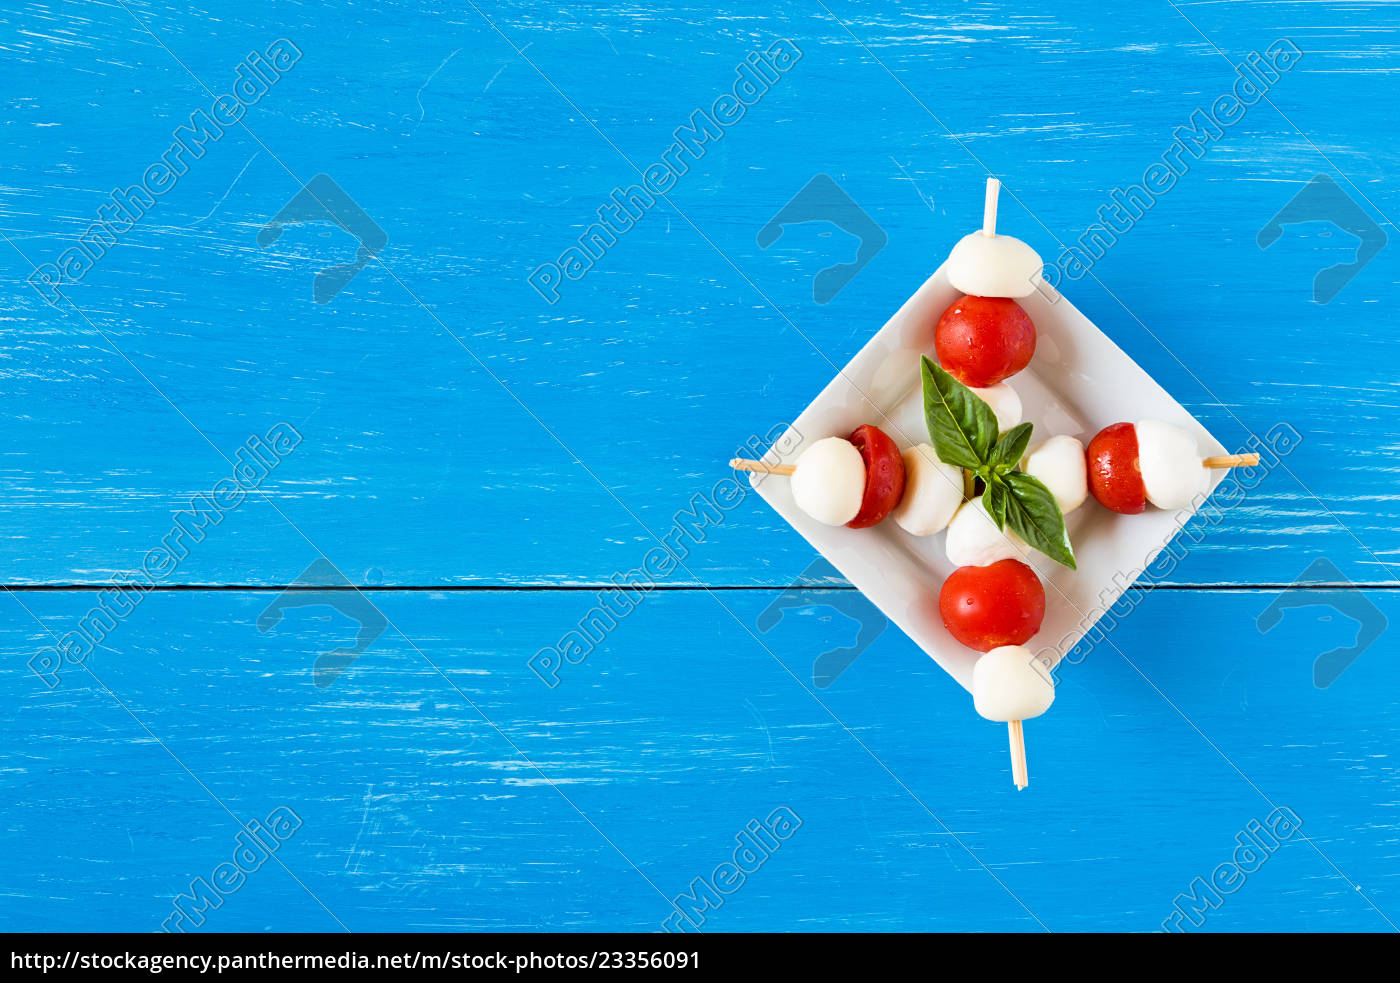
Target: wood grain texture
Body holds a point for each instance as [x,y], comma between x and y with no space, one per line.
[461,431]
[419,814]
[479,171]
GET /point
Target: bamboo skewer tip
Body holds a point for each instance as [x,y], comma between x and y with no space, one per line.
[989,208]
[1020,774]
[1231,461]
[745,464]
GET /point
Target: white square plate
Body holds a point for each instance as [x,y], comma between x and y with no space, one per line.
[1078,383]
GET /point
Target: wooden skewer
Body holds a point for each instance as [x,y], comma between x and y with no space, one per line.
[1231,461]
[745,464]
[1019,773]
[989,208]
[1224,461]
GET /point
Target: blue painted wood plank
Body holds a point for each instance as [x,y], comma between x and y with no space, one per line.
[418,814]
[458,429]
[687,337]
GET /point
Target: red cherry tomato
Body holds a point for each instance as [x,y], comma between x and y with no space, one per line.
[999,604]
[983,340]
[884,475]
[1115,474]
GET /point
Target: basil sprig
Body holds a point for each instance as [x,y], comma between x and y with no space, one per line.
[963,430]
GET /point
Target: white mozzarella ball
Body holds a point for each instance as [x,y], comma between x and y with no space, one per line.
[1009,683]
[975,541]
[993,266]
[829,481]
[1172,473]
[933,491]
[1060,465]
[1004,403]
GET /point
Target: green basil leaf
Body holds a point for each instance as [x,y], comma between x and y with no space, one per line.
[1010,448]
[995,500]
[1032,514]
[961,426]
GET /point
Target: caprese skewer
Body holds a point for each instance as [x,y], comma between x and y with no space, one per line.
[1132,464]
[993,602]
[855,481]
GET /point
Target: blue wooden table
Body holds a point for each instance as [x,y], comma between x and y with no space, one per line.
[444,316]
